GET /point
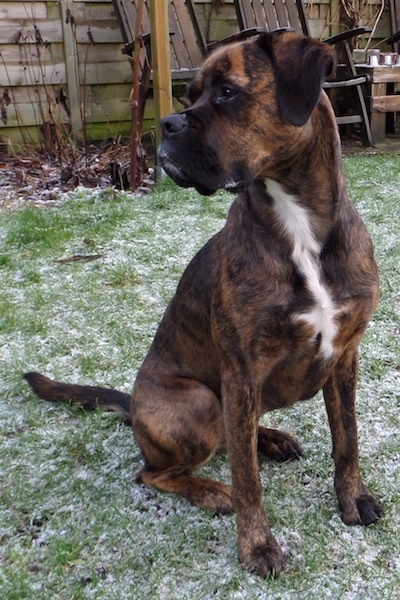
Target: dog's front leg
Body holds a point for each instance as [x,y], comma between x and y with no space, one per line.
[357,505]
[258,550]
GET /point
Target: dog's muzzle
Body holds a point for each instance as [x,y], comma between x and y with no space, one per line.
[185,155]
[175,156]
[189,160]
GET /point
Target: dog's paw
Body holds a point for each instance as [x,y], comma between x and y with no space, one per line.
[220,504]
[265,559]
[278,445]
[370,510]
[258,549]
[363,510]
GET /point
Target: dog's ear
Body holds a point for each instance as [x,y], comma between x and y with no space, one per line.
[301,66]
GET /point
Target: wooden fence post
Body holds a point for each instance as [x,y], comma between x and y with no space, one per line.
[160,57]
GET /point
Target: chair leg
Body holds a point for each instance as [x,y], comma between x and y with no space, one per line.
[366,127]
[365,120]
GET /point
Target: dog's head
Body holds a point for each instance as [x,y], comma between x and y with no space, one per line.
[251,102]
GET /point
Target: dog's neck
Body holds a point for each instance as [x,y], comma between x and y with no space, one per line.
[309,179]
[307,160]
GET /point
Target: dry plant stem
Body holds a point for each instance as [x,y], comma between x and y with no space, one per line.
[135,97]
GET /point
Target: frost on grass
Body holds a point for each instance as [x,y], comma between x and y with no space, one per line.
[73,522]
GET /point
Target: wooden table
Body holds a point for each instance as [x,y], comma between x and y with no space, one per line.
[381,96]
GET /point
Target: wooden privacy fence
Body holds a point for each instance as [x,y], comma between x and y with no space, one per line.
[62,71]
[61,63]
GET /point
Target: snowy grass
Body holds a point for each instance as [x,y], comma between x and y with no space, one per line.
[73,523]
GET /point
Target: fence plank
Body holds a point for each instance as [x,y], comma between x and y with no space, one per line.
[23,10]
[33,75]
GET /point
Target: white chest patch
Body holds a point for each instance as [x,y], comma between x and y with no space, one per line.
[296,221]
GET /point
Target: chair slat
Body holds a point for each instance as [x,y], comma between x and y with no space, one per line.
[280,8]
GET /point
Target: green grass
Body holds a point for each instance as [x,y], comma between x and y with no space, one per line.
[73,522]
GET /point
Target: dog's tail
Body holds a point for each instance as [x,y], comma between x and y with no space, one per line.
[86,395]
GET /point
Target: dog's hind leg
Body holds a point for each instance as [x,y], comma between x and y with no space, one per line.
[204,493]
[278,445]
[178,426]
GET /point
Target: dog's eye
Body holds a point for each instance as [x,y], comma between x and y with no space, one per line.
[227,93]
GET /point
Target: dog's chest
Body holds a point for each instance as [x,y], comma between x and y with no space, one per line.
[321,317]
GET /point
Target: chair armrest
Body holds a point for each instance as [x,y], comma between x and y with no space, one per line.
[345,82]
[393,38]
[346,35]
[129,48]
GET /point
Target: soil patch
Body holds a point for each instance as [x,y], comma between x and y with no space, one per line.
[42,180]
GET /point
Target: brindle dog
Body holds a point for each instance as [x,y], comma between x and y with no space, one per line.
[272,309]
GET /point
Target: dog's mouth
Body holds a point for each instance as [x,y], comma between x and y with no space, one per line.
[181,178]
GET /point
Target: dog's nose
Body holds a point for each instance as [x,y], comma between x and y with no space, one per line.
[173,124]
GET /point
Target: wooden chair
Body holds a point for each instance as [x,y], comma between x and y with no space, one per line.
[188,47]
[276,14]
[394,39]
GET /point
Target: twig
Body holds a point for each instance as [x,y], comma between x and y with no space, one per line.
[76,257]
